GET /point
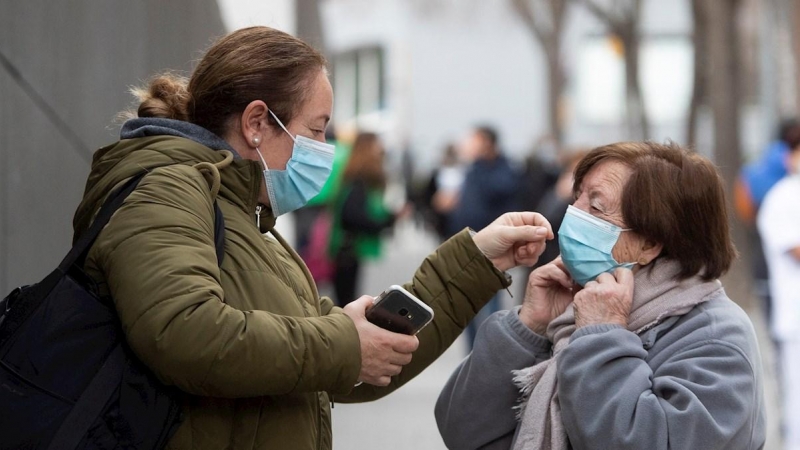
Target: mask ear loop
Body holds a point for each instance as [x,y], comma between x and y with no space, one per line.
[281,124]
[266,167]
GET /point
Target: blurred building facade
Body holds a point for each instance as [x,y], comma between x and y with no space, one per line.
[422,72]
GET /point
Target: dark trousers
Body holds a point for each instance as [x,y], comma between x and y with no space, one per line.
[345,276]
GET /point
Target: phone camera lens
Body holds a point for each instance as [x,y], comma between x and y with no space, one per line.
[403,312]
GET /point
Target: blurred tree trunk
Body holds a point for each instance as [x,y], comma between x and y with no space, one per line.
[700,44]
[794,9]
[309,23]
[622,19]
[545,20]
[725,98]
[724,89]
[309,28]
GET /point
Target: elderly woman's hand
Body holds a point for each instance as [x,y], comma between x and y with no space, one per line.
[513,239]
[547,295]
[607,299]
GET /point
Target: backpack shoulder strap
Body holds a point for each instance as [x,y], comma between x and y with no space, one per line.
[14,312]
[219,233]
[91,402]
[77,255]
[81,248]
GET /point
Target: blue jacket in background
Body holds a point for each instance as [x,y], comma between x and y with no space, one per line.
[762,174]
[489,190]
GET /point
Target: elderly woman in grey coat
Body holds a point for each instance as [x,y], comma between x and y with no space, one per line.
[628,340]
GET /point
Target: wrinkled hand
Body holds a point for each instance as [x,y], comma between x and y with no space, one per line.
[547,296]
[383,353]
[515,238]
[608,299]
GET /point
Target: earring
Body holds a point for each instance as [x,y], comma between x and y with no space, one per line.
[256,140]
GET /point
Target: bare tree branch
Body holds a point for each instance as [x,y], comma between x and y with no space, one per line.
[699,39]
[526,12]
[613,22]
[621,18]
[559,8]
[546,25]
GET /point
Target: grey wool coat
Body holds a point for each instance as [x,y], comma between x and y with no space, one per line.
[692,382]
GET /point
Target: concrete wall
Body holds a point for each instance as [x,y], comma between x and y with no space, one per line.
[80,56]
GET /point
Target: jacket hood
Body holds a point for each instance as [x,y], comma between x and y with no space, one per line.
[148,126]
[150,143]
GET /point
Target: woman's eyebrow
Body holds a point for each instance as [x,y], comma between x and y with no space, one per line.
[599,200]
[596,194]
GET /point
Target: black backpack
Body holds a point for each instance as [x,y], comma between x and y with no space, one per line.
[67,377]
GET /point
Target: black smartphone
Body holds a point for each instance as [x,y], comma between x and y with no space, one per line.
[399,311]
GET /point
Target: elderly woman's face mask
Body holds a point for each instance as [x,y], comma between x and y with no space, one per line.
[586,243]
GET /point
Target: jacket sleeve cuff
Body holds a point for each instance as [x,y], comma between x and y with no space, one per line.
[458,279]
[347,353]
[534,341]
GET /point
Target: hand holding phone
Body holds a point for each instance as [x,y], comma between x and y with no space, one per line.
[399,311]
[383,353]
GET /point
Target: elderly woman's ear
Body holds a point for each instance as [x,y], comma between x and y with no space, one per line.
[650,250]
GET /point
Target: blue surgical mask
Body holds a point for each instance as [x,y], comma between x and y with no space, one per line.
[586,242]
[305,174]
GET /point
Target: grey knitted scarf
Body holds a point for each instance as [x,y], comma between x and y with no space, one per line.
[657,295]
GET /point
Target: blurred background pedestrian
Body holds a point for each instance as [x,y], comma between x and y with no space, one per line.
[442,191]
[490,188]
[754,181]
[779,227]
[360,215]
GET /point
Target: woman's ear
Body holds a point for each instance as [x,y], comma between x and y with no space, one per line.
[649,251]
[254,122]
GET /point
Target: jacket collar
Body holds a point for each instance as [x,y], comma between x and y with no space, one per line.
[241,180]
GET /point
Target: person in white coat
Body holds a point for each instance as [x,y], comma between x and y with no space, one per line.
[779,227]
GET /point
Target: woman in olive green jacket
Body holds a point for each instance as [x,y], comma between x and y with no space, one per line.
[259,355]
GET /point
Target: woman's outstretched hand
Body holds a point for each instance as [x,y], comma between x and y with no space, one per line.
[514,239]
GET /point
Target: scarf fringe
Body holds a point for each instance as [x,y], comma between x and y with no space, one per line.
[524,380]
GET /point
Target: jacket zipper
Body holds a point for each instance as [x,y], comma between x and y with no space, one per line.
[319,423]
[258,218]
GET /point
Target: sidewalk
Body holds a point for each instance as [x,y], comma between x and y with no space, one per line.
[404,420]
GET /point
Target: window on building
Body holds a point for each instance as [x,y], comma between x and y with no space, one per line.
[665,76]
[358,83]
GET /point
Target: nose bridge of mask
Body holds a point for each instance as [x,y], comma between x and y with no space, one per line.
[281,124]
[589,230]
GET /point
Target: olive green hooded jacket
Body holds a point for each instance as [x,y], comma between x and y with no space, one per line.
[259,355]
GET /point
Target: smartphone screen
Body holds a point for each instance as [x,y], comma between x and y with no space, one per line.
[399,311]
